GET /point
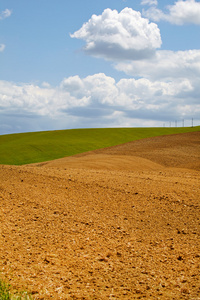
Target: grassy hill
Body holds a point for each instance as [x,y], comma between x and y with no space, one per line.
[25,148]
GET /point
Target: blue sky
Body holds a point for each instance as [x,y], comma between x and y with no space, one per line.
[114,63]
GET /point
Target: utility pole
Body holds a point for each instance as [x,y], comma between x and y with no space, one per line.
[192,122]
[183,122]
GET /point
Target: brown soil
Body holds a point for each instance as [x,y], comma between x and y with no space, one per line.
[117,223]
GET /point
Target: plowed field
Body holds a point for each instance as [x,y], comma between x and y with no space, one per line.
[117,223]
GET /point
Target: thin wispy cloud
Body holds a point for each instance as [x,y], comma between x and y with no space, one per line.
[5,14]
[2,47]
[149,2]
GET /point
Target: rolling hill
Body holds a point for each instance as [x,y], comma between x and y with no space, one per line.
[25,148]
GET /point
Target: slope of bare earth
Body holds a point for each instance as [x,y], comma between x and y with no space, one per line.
[178,150]
[117,223]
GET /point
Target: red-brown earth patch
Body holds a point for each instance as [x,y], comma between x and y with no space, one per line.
[116,223]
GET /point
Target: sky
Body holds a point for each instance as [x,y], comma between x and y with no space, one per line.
[89,64]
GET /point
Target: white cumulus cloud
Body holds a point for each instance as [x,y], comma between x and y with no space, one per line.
[119,36]
[182,12]
[165,65]
[97,100]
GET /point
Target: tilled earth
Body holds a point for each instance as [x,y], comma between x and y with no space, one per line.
[117,223]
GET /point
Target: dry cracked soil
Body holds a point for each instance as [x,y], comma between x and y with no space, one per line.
[116,223]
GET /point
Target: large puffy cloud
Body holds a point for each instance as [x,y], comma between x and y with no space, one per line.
[181,12]
[158,100]
[97,88]
[166,65]
[117,36]
[96,101]
[24,99]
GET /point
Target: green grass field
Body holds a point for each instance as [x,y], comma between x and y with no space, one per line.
[25,148]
